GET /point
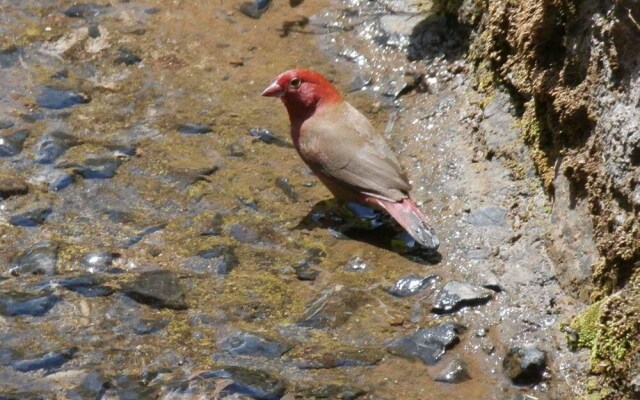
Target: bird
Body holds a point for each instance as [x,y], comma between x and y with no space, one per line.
[346,153]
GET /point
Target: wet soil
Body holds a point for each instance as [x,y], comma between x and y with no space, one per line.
[160,237]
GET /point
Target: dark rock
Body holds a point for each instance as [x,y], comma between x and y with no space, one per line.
[220,259]
[456,372]
[93,386]
[357,264]
[307,273]
[30,215]
[256,384]
[36,305]
[159,289]
[6,124]
[93,31]
[254,9]
[11,144]
[62,74]
[53,145]
[86,11]
[263,134]
[10,57]
[194,129]
[411,285]
[12,185]
[47,361]
[287,188]
[40,259]
[332,392]
[456,295]
[428,344]
[57,180]
[525,365]
[88,286]
[127,57]
[94,168]
[99,262]
[58,99]
[247,344]
[488,216]
[149,326]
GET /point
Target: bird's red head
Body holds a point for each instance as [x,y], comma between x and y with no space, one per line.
[302,91]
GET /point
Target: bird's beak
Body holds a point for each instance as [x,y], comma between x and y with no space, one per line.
[274,90]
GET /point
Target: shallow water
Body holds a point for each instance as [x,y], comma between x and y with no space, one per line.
[148,148]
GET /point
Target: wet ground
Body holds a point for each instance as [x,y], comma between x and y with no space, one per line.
[160,238]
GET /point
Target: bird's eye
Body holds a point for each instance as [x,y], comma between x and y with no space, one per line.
[295,83]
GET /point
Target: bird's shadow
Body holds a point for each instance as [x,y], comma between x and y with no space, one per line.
[357,222]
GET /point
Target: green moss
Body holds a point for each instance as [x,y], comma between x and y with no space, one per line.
[586,326]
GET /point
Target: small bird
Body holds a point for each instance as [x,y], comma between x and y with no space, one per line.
[345,152]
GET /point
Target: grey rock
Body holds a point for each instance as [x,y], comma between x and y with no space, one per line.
[456,372]
[525,365]
[86,11]
[158,289]
[219,260]
[6,124]
[98,261]
[149,326]
[49,361]
[287,188]
[254,383]
[87,286]
[357,264]
[254,9]
[456,295]
[40,259]
[58,99]
[36,305]
[248,344]
[487,216]
[427,345]
[11,144]
[102,167]
[411,285]
[53,145]
[30,215]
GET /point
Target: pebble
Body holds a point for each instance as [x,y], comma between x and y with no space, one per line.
[49,361]
[247,344]
[253,383]
[94,168]
[11,144]
[99,262]
[40,259]
[127,57]
[194,129]
[357,264]
[85,11]
[158,289]
[220,259]
[456,295]
[411,285]
[53,145]
[457,371]
[30,215]
[287,188]
[254,9]
[58,99]
[427,344]
[524,365]
[36,305]
[88,286]
[149,326]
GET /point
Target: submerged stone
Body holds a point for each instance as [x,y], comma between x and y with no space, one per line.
[94,168]
[11,144]
[340,358]
[248,344]
[40,259]
[219,260]
[53,145]
[159,289]
[428,344]
[58,99]
[86,11]
[331,392]
[88,286]
[457,371]
[194,129]
[456,295]
[127,57]
[30,215]
[249,382]
[411,285]
[6,124]
[47,361]
[287,188]
[35,305]
[149,326]
[525,365]
[357,264]
[140,235]
[331,308]
[99,261]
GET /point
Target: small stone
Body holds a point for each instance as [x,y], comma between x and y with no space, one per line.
[88,286]
[331,392]
[36,305]
[220,259]
[127,57]
[98,262]
[307,273]
[194,129]
[525,365]
[332,308]
[53,145]
[456,295]
[481,332]
[247,344]
[86,11]
[264,135]
[49,361]
[12,185]
[40,259]
[249,382]
[427,345]
[159,289]
[58,99]
[287,188]
[357,264]
[94,168]
[487,216]
[411,285]
[455,372]
[254,9]
[93,30]
[6,124]
[149,326]
[11,144]
[30,215]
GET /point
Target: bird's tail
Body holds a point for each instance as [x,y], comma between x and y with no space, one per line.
[409,216]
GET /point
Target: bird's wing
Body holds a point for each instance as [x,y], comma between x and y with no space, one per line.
[341,143]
